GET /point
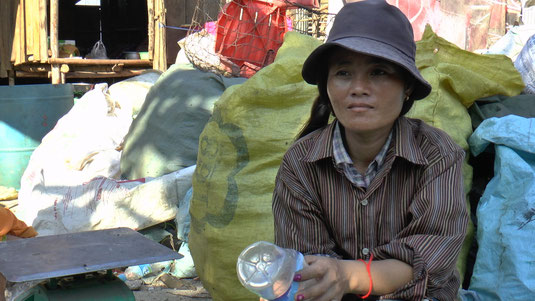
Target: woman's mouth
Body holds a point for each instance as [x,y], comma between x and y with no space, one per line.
[359,107]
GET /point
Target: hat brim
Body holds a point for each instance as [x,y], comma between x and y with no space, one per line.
[316,60]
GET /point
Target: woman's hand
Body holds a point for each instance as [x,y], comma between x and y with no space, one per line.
[324,279]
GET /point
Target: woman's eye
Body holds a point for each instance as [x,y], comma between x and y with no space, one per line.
[342,73]
[378,72]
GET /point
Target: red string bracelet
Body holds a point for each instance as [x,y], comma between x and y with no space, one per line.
[369,276]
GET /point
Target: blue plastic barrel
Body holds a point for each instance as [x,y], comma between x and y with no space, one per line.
[27,114]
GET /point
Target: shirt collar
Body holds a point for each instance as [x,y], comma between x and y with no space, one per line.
[342,157]
[323,147]
[339,151]
[404,143]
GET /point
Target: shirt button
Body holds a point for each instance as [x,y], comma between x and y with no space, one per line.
[364,202]
[365,251]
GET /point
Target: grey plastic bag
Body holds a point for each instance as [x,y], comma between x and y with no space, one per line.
[98,51]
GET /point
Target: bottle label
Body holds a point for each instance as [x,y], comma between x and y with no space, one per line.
[289,295]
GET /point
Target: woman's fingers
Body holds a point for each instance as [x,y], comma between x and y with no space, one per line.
[316,266]
[319,291]
[321,280]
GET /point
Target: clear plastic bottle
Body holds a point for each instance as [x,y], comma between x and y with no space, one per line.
[268,270]
[142,270]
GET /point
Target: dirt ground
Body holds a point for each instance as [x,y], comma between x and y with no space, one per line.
[171,289]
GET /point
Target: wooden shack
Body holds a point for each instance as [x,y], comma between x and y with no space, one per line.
[32,31]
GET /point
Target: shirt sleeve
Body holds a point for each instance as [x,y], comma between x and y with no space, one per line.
[431,242]
[299,223]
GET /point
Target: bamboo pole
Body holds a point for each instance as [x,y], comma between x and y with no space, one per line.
[157,35]
[163,33]
[11,76]
[98,62]
[54,48]
[67,67]
[32,29]
[15,45]
[83,74]
[32,74]
[150,11]
[23,41]
[89,74]
[32,68]
[76,71]
[43,31]
[156,52]
[21,23]
[160,48]
[6,37]
[28,27]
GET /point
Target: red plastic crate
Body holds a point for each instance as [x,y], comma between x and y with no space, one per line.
[249,33]
[302,3]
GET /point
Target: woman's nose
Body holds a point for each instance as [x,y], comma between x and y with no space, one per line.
[360,83]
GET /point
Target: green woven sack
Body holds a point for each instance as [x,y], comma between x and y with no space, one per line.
[459,78]
[240,151]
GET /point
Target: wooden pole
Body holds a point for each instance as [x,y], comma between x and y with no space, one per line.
[89,74]
[98,62]
[163,35]
[160,48]
[22,32]
[83,74]
[7,19]
[32,74]
[15,46]
[43,33]
[33,30]
[54,47]
[156,52]
[150,11]
[11,75]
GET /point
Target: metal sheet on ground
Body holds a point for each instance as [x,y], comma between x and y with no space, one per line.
[77,253]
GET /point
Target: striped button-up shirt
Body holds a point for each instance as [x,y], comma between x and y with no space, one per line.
[414,209]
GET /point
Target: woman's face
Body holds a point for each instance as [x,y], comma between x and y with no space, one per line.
[366,92]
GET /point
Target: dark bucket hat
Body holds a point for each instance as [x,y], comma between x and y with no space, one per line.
[375,28]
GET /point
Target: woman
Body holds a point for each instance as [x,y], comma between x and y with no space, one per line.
[373,198]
